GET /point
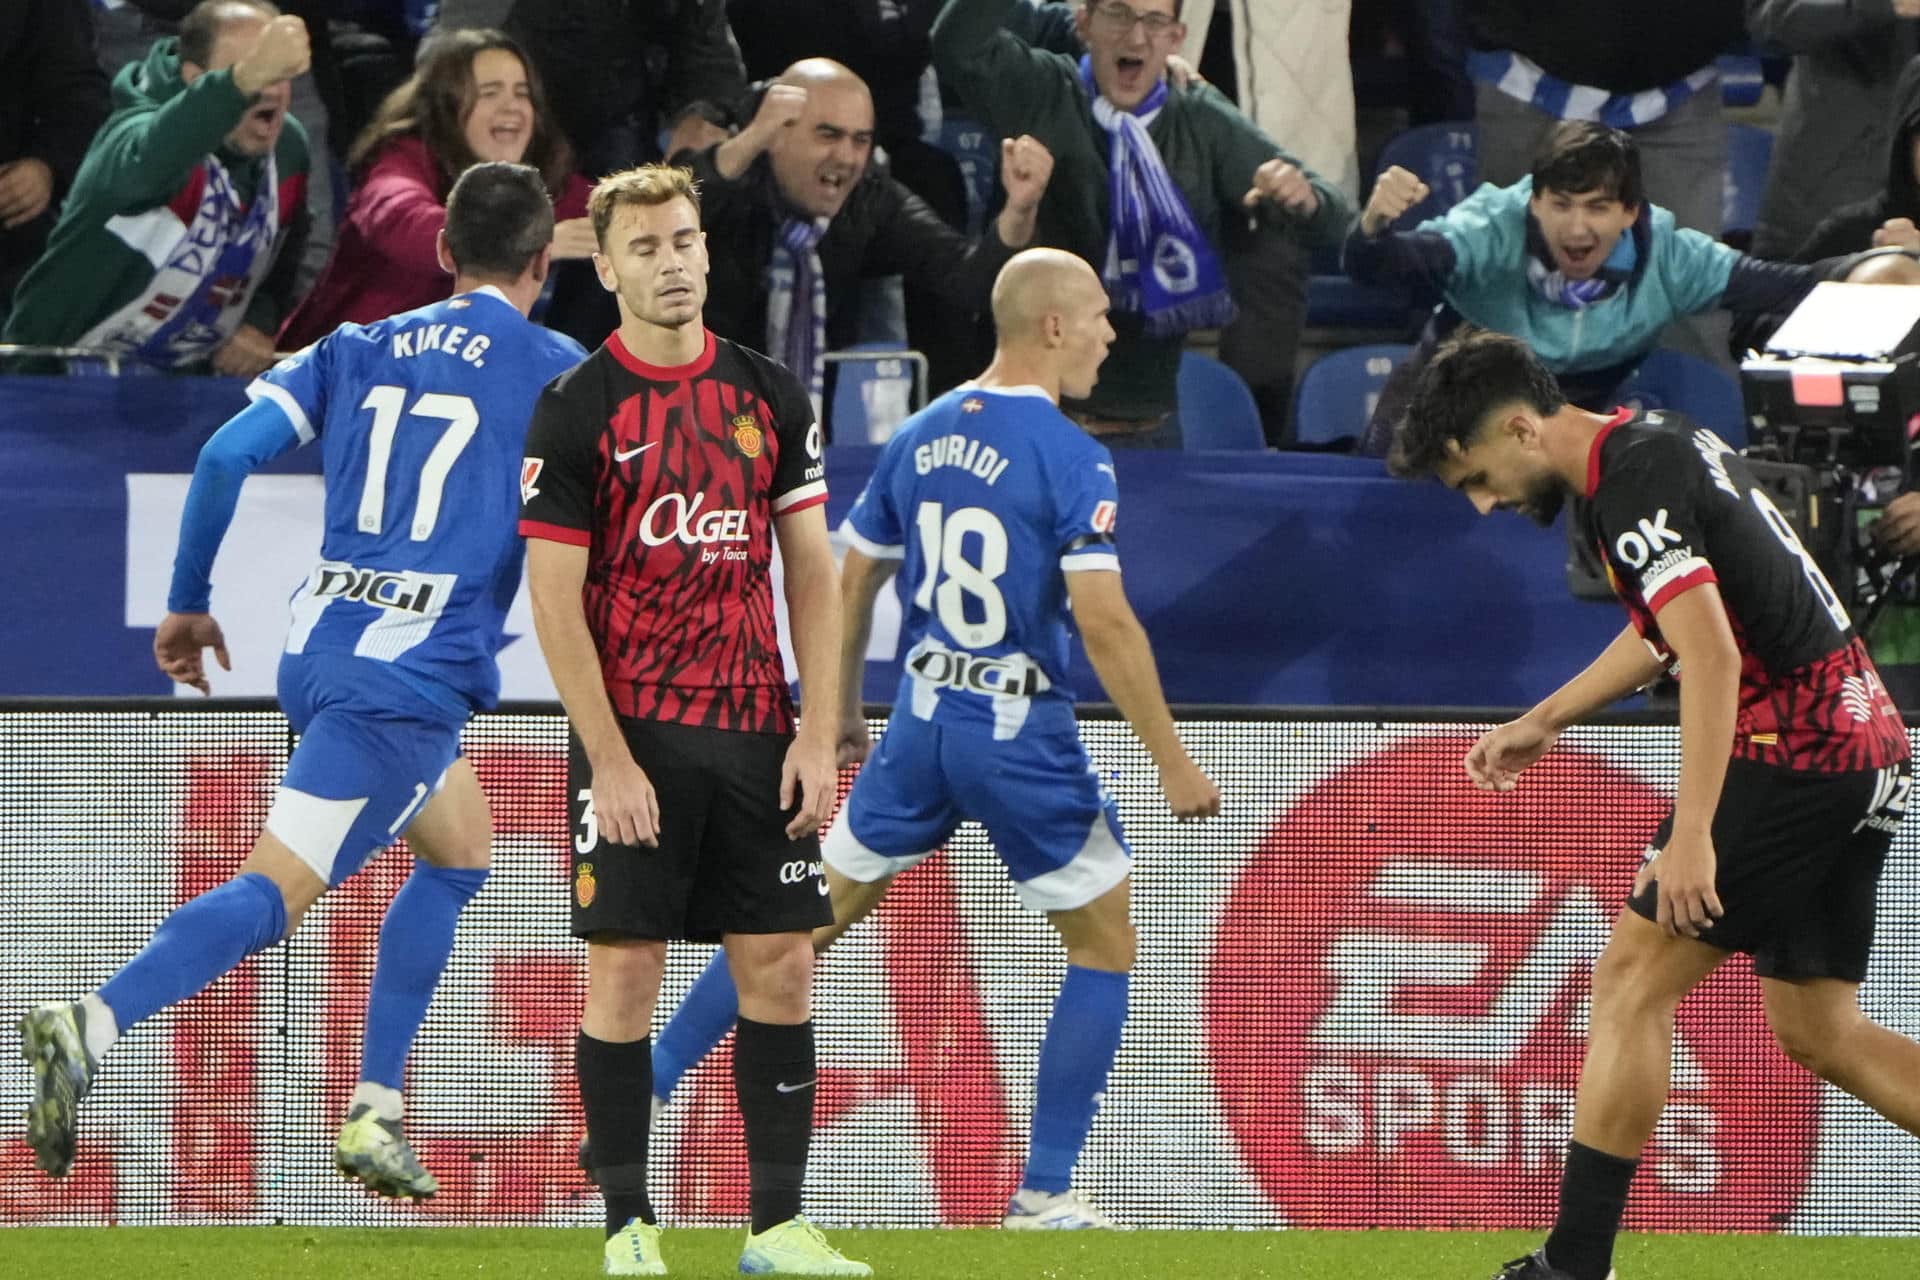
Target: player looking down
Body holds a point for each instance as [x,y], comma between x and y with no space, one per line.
[1794,763]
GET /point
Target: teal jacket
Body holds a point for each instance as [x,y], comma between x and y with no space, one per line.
[1474,257]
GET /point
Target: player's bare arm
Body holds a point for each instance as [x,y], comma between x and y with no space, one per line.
[1497,759]
[178,645]
[861,578]
[812,584]
[1117,647]
[624,804]
[1696,627]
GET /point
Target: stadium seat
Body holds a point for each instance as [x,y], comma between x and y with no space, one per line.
[1445,156]
[1217,411]
[1689,385]
[1749,152]
[872,396]
[978,155]
[1337,394]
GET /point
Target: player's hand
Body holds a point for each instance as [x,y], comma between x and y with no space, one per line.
[1284,185]
[26,189]
[177,646]
[1025,168]
[574,238]
[1897,232]
[1397,191]
[1181,73]
[1190,793]
[1685,872]
[247,354]
[1496,760]
[624,805]
[807,779]
[855,742]
[280,52]
[1897,532]
[694,132]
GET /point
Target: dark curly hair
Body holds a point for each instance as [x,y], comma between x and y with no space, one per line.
[434,103]
[1579,156]
[1473,373]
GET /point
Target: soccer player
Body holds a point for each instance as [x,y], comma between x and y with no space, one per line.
[1002,511]
[421,420]
[658,476]
[1794,764]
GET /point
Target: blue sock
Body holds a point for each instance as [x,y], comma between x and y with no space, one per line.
[706,1013]
[201,940]
[1082,1038]
[415,940]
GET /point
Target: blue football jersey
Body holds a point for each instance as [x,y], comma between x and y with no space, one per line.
[989,498]
[421,419]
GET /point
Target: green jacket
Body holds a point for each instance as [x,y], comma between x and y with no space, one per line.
[136,263]
[1209,148]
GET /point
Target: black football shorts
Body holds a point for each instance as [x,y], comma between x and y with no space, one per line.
[724,863]
[1799,861]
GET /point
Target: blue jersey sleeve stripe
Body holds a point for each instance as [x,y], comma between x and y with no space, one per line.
[296,412]
[868,547]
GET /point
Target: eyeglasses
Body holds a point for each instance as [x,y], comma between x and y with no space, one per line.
[1121,18]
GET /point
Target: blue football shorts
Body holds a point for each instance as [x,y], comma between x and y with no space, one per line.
[1054,826]
[372,751]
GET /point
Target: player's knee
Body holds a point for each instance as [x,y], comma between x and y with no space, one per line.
[623,984]
[1628,984]
[1112,949]
[1814,1034]
[774,976]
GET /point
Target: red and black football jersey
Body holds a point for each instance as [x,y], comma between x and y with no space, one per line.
[1670,506]
[672,478]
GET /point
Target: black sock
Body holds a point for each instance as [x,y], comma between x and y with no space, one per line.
[1593,1193]
[616,1092]
[773,1076]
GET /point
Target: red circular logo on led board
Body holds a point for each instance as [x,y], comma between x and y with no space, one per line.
[1397,1008]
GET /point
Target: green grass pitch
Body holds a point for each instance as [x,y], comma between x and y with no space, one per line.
[293,1253]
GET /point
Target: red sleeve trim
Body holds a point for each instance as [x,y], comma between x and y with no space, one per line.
[801,505]
[555,533]
[1697,578]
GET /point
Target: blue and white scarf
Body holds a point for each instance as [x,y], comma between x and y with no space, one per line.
[797,305]
[1577,295]
[1183,287]
[1522,79]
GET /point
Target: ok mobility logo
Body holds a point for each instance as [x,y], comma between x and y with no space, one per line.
[1403,1049]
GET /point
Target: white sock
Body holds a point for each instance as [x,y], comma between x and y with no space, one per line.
[100,1027]
[386,1103]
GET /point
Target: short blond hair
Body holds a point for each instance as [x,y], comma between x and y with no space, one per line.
[649,184]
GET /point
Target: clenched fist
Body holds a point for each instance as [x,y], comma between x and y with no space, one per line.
[1397,191]
[1285,185]
[1897,232]
[280,52]
[1025,167]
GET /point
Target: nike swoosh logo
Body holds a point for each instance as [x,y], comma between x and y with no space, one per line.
[793,1088]
[622,455]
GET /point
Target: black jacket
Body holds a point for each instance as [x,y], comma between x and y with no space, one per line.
[53,96]
[882,230]
[1622,46]
[607,62]
[1850,228]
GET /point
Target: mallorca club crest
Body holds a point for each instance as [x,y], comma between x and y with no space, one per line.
[747,437]
[584,885]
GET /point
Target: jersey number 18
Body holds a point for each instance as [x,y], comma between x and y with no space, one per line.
[950,577]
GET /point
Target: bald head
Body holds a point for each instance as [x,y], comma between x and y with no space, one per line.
[1037,283]
[1051,312]
[819,157]
[1885,268]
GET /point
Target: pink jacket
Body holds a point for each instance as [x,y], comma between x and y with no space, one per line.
[383,253]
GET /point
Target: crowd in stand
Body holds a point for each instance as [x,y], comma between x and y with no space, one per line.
[195,187]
